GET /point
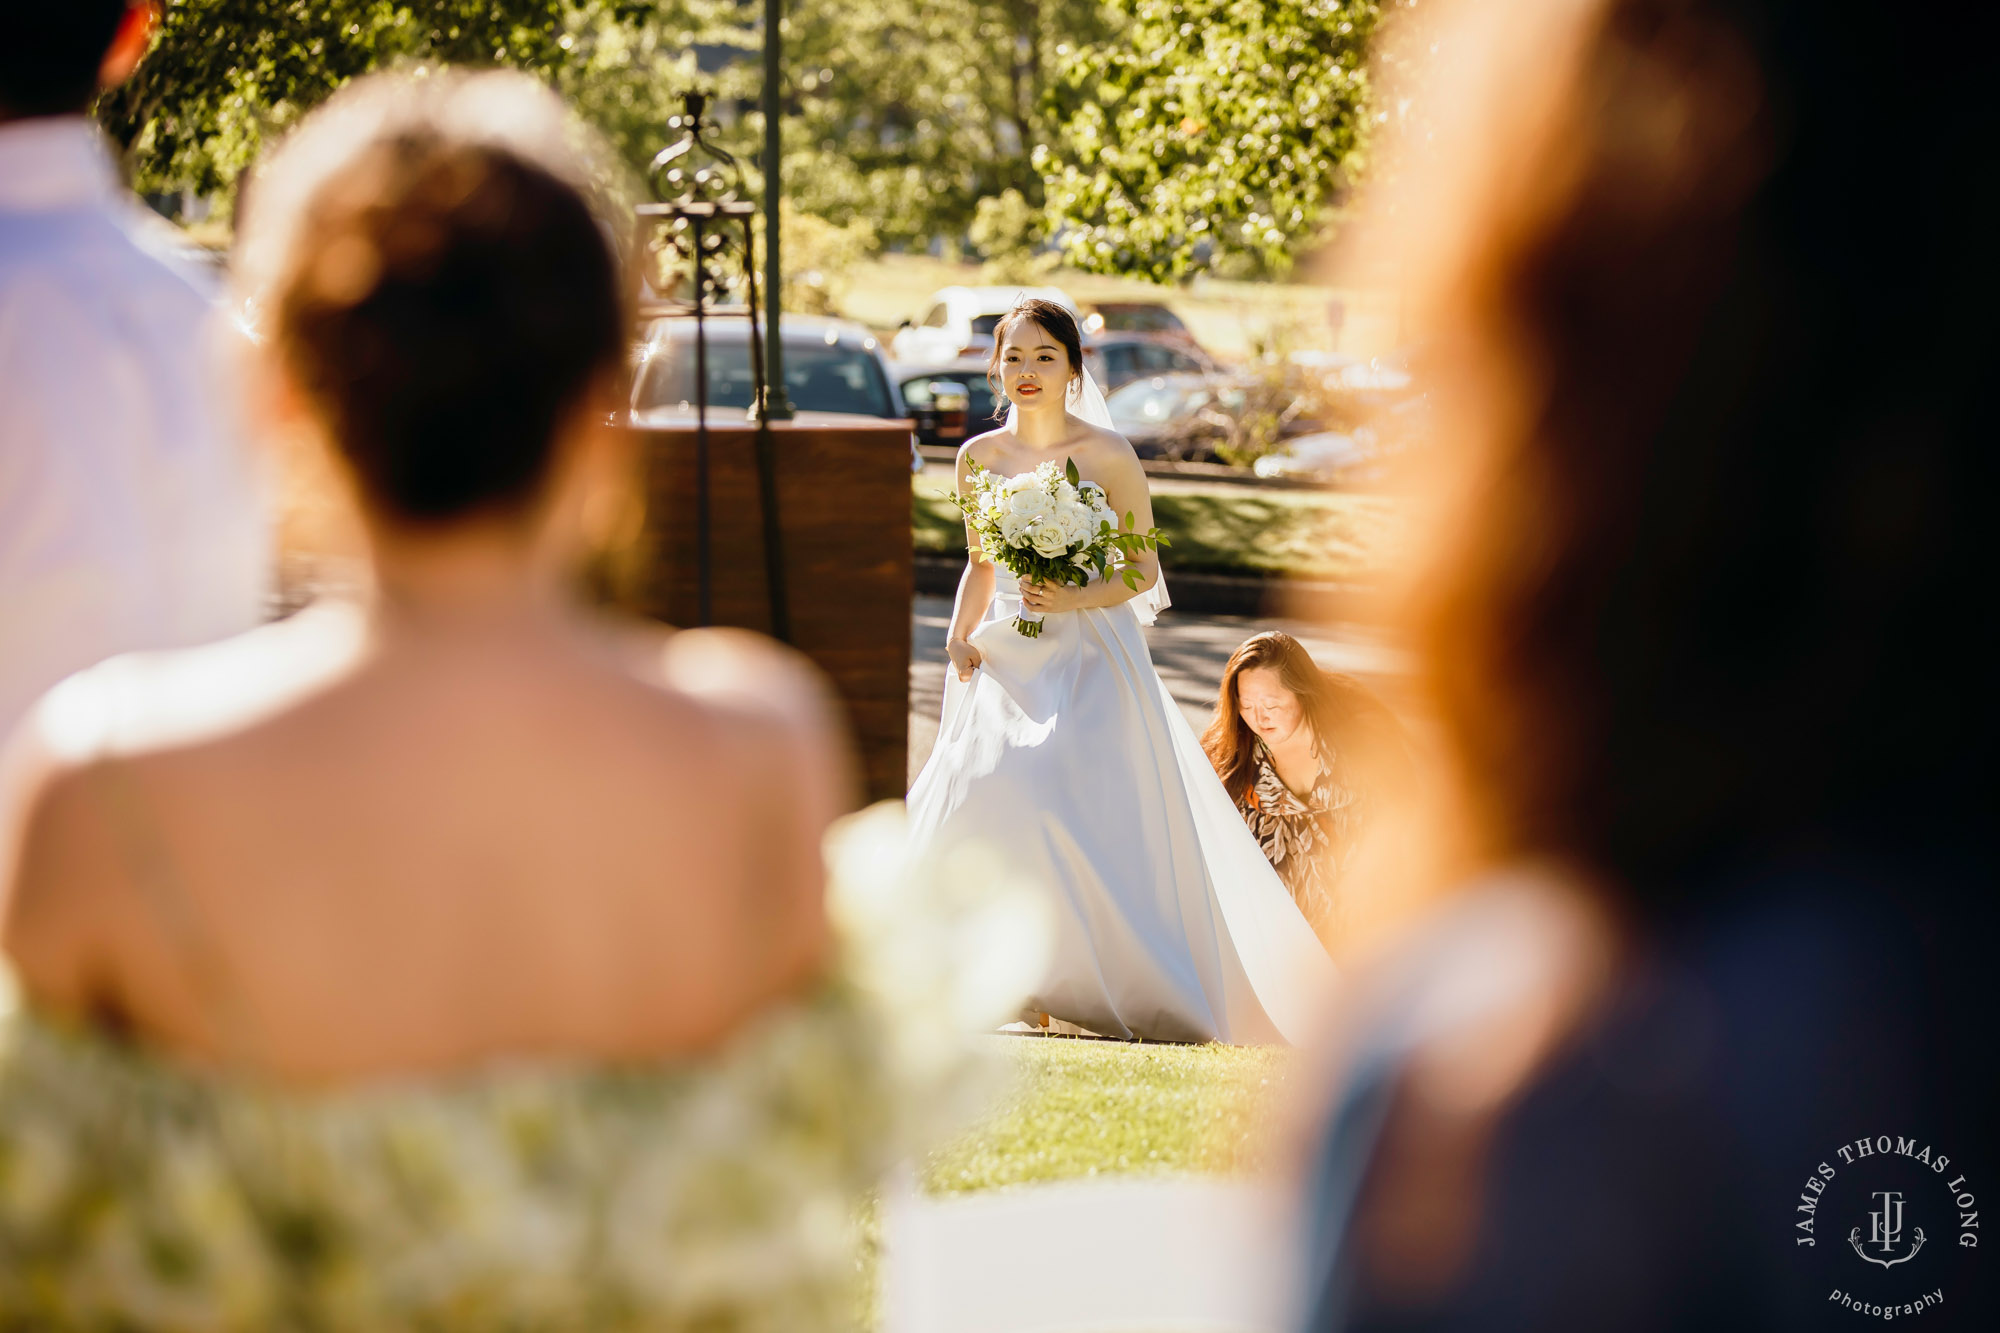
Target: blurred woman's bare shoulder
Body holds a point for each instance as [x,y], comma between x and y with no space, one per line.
[146,702]
[737,668]
[772,697]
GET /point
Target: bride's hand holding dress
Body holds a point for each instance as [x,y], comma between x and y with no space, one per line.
[964,658]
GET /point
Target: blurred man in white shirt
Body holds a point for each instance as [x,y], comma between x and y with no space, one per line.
[131,515]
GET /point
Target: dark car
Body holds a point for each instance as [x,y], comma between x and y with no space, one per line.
[1116,359]
[834,373]
[950,403]
[1147,317]
[831,367]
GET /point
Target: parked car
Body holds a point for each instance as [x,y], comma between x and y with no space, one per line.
[1163,415]
[1365,385]
[1363,453]
[1324,456]
[835,374]
[1118,359]
[1187,415]
[950,403]
[960,322]
[1148,317]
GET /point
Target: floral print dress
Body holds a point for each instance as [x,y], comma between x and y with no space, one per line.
[1307,839]
[142,1194]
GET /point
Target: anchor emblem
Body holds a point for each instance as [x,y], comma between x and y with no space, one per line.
[1885,1228]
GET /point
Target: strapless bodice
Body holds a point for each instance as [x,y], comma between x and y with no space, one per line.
[139,1192]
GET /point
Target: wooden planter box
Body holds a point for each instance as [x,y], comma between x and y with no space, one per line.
[844,512]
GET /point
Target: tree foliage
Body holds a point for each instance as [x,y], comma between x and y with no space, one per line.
[223,74]
[910,112]
[1148,136]
[1207,131]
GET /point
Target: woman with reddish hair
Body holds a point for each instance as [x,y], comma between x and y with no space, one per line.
[1703,978]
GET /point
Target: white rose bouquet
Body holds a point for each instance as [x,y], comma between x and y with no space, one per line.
[1051,526]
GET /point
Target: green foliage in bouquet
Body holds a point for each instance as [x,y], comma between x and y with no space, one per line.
[1050,526]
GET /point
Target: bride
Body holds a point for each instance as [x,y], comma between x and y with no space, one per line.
[1068,751]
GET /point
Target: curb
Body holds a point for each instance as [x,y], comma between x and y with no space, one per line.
[1212,594]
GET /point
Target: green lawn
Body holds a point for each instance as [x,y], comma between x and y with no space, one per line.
[1099,1108]
[1088,1108]
[1220,529]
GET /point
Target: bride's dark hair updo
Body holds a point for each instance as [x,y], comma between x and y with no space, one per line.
[1056,321]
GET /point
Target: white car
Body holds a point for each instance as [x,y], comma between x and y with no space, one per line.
[960,323]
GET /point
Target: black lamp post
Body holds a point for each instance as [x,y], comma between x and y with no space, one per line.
[777,406]
[697,184]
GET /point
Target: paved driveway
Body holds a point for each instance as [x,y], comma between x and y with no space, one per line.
[1189,651]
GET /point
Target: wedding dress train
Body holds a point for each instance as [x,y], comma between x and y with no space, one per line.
[1068,752]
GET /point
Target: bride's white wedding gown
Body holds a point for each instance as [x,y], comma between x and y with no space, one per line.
[1068,752]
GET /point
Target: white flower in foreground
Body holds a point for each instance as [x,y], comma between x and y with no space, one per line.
[989,930]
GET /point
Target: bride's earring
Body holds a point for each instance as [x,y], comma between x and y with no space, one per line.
[1075,390]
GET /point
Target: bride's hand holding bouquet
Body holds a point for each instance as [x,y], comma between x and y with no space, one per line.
[1054,532]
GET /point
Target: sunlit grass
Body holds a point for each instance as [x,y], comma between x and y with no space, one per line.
[1093,1108]
[1081,1109]
[1218,529]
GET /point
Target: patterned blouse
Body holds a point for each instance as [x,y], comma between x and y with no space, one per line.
[1306,839]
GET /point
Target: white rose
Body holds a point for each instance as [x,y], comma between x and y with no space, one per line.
[1049,541]
[1027,504]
